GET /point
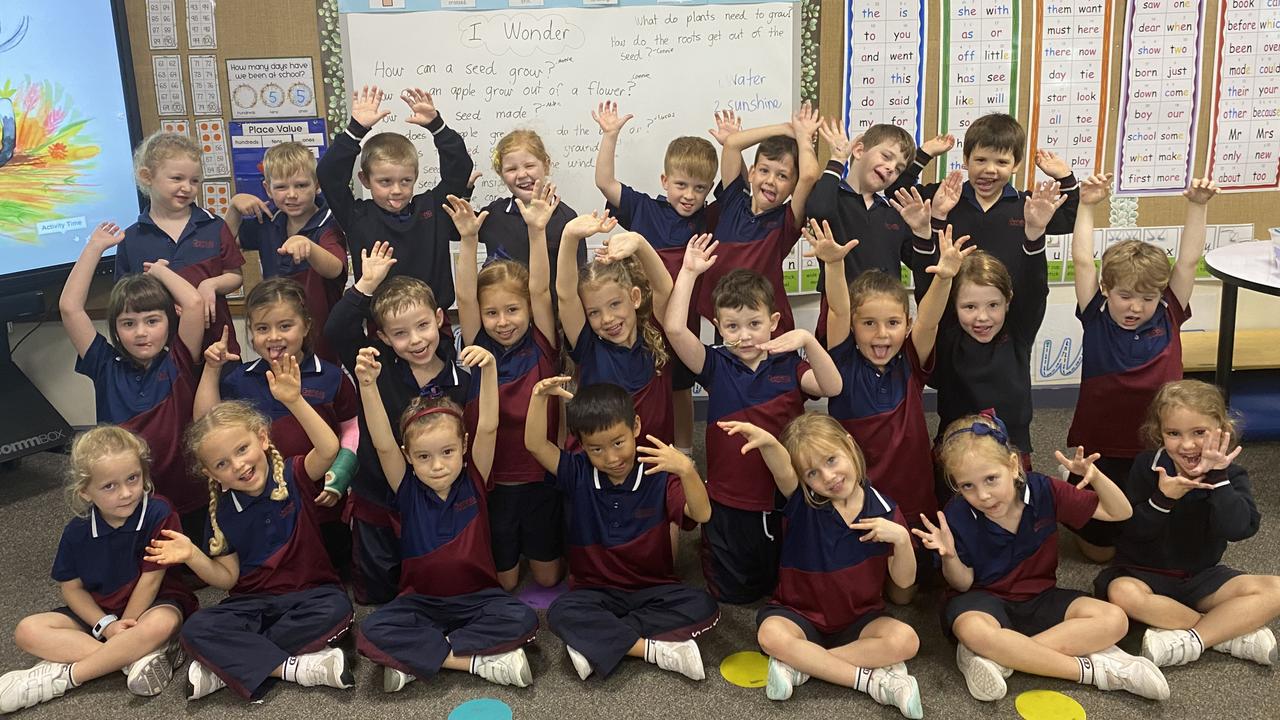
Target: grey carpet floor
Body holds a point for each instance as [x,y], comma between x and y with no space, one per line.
[32,514]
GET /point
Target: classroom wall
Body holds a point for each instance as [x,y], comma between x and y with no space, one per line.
[48,358]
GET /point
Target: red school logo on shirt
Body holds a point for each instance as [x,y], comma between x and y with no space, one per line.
[892,226]
[464,503]
[426,214]
[779,379]
[1017,222]
[316,393]
[198,243]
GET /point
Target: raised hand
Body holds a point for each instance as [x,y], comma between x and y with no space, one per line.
[937,537]
[805,123]
[1201,191]
[367,366]
[365,104]
[754,436]
[935,146]
[789,341]
[913,208]
[619,247]
[1079,464]
[727,123]
[699,254]
[882,530]
[948,195]
[950,254]
[822,243]
[284,379]
[664,458]
[247,205]
[833,133]
[543,204]
[175,549]
[217,354]
[1042,203]
[376,262]
[1052,165]
[298,247]
[1175,487]
[421,105]
[474,356]
[554,387]
[584,226]
[106,235]
[464,216]
[1216,453]
[1095,188]
[606,116]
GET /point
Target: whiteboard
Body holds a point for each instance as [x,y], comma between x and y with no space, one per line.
[546,69]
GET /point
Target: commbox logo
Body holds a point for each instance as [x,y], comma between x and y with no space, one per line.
[32,443]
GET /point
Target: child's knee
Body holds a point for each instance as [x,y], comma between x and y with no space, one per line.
[1127,593]
[27,633]
[974,629]
[773,636]
[1112,617]
[905,641]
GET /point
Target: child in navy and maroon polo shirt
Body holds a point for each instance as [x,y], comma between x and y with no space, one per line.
[885,359]
[756,225]
[143,376]
[451,612]
[1190,499]
[109,584]
[842,539]
[749,378]
[296,235]
[1131,310]
[998,543]
[624,598]
[197,244]
[284,605]
[668,221]
[420,363]
[411,223]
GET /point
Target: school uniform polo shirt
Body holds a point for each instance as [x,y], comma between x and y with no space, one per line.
[1019,566]
[826,572]
[1121,372]
[601,361]
[505,234]
[617,534]
[325,387]
[205,249]
[277,542]
[520,367]
[666,230]
[769,397]
[753,242]
[109,561]
[396,385]
[884,238]
[153,402]
[444,543]
[884,412]
[321,293]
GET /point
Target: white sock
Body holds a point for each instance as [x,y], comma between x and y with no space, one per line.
[1196,636]
[289,669]
[861,678]
[1086,670]
[67,670]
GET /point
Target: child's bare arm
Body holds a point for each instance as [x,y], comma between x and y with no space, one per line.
[75,291]
[465,272]
[390,458]
[285,381]
[221,572]
[611,124]
[823,246]
[939,539]
[661,457]
[804,126]
[1113,506]
[485,442]
[1093,190]
[699,256]
[545,198]
[535,426]
[143,595]
[924,334]
[632,244]
[1191,246]
[572,315]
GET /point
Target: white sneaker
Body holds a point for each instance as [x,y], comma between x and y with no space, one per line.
[39,683]
[580,663]
[896,690]
[1258,646]
[394,680]
[682,657]
[1115,669]
[327,667]
[984,677]
[509,668]
[1170,647]
[150,674]
[782,680]
[201,681]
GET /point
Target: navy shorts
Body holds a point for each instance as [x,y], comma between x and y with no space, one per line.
[171,602]
[1189,590]
[812,633]
[740,552]
[526,520]
[1029,617]
[1101,532]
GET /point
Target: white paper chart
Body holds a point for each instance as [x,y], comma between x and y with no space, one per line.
[1160,96]
[1244,139]
[167,71]
[884,64]
[979,67]
[162,25]
[206,98]
[202,31]
[1069,83]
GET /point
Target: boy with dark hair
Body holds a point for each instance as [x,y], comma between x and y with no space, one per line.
[624,598]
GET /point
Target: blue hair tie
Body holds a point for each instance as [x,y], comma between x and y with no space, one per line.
[998,432]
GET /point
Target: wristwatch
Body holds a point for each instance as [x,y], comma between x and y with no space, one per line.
[102,625]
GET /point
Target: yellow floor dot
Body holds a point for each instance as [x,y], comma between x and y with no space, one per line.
[1048,705]
[748,669]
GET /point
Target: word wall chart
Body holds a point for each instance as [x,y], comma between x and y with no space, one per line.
[1160,96]
[1244,139]
[979,67]
[1072,66]
[884,64]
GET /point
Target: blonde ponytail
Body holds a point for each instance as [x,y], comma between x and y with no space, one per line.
[217,542]
[281,490]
